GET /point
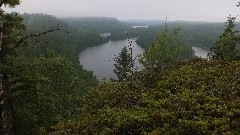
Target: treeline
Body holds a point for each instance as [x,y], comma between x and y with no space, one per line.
[44,89]
[100,25]
[169,96]
[69,41]
[84,32]
[41,79]
[200,34]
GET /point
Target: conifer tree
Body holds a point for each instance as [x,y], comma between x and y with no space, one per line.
[8,23]
[11,37]
[124,64]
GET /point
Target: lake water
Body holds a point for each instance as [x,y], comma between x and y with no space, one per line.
[199,52]
[100,58]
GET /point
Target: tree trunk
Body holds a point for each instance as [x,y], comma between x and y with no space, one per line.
[1,79]
[13,118]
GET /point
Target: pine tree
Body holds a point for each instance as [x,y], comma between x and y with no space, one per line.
[124,65]
[8,23]
[11,37]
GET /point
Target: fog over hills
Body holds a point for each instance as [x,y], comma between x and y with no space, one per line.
[190,10]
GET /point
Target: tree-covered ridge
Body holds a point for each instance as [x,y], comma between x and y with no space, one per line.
[63,43]
[44,90]
[198,97]
[200,34]
[41,79]
[100,25]
[84,32]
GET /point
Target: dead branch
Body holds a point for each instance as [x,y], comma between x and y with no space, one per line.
[21,41]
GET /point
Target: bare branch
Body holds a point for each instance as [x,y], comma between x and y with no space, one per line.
[58,24]
[31,36]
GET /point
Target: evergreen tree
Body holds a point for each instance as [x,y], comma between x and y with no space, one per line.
[8,24]
[124,64]
[11,37]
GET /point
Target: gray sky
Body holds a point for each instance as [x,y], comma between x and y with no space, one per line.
[193,10]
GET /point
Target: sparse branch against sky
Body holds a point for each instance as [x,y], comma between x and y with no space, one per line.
[191,10]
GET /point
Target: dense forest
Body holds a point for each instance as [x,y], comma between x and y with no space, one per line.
[84,32]
[200,34]
[45,90]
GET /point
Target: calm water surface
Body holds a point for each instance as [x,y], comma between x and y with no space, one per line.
[199,52]
[99,59]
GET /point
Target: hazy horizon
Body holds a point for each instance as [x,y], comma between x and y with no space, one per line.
[174,10]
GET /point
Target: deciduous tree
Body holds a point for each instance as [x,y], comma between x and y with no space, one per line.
[164,52]
[227,46]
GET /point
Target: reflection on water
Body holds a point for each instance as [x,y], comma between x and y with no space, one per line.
[99,59]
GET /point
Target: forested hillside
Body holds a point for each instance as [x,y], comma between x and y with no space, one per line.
[43,79]
[85,32]
[170,96]
[69,41]
[200,34]
[100,25]
[45,90]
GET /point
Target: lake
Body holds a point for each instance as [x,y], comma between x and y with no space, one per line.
[199,52]
[100,58]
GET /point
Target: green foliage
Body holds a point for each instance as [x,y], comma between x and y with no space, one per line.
[99,25]
[24,104]
[200,34]
[39,91]
[164,51]
[109,109]
[12,23]
[45,91]
[199,97]
[62,43]
[66,83]
[124,64]
[227,47]
[11,3]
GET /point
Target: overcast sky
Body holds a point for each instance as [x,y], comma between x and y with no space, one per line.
[192,10]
